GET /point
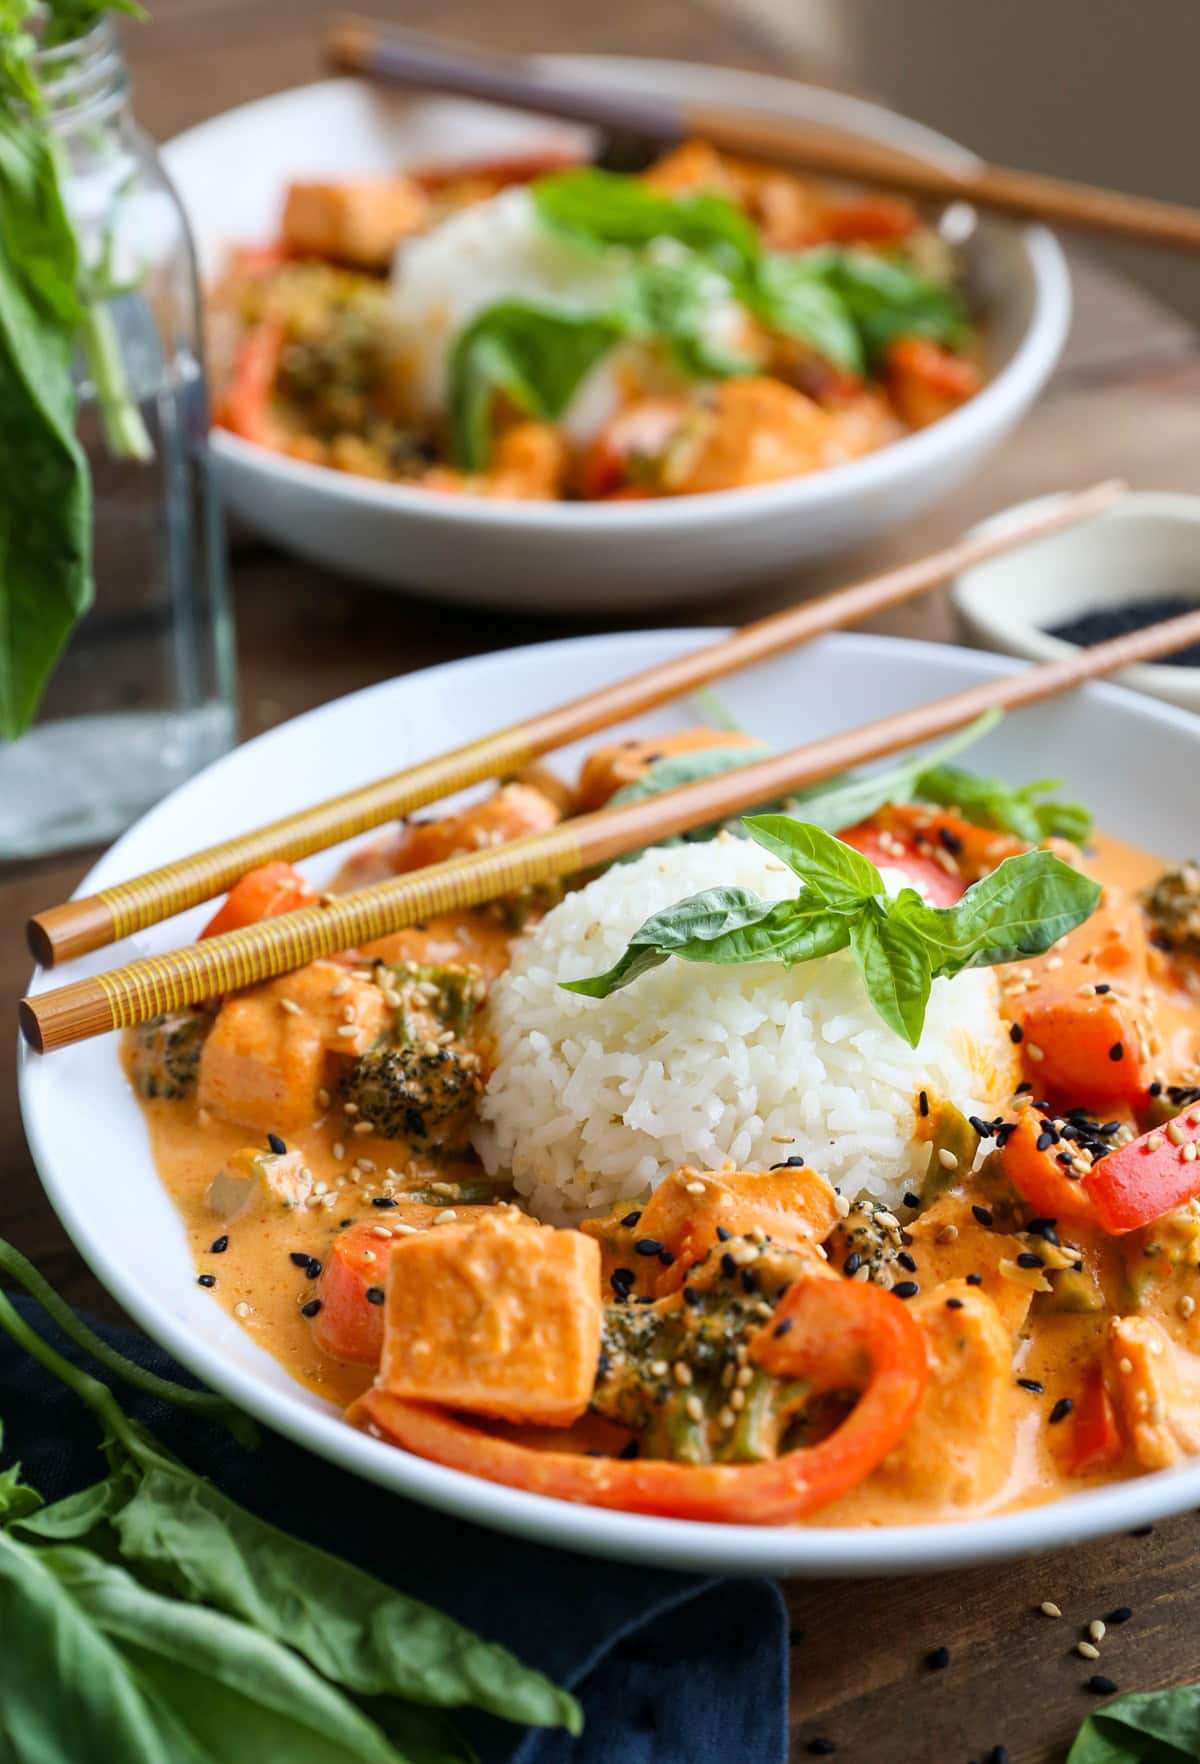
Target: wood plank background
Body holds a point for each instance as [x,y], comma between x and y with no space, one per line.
[1125,400]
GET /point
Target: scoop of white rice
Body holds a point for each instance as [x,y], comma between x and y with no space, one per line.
[500,250]
[593,1101]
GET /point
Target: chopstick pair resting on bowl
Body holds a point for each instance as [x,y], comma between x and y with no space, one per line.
[236,959]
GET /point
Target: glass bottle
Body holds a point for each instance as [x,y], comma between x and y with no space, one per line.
[143,694]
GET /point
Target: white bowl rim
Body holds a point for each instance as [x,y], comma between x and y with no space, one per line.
[802,1551]
[1008,391]
[1169,506]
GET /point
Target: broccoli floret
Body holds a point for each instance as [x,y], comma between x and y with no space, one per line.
[1173,909]
[166,1054]
[702,1333]
[422,1093]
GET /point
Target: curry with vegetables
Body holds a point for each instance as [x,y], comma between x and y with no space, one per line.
[535,329]
[755,1344]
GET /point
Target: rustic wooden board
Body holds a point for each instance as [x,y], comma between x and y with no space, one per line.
[1126,400]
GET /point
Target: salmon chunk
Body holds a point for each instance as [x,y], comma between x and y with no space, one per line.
[959,1447]
[948,1245]
[359,222]
[614,764]
[271,1049]
[498,1317]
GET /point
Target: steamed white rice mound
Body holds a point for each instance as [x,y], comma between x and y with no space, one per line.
[499,250]
[594,1101]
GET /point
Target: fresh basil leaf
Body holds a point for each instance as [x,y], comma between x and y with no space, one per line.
[989,802]
[1021,909]
[697,922]
[1143,1727]
[17,1499]
[887,298]
[238,1694]
[793,931]
[673,303]
[611,208]
[535,356]
[45,493]
[835,871]
[790,298]
[894,962]
[851,797]
[88,1707]
[350,1626]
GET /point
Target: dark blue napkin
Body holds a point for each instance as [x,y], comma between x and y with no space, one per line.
[670,1668]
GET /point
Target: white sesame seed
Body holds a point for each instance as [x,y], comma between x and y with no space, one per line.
[339,1150]
[291,1007]
[1087,1651]
[744,1376]
[340,990]
[448,1190]
[947,1159]
[361,1128]
[1187,1305]
[349,1108]
[842,1206]
[368,1255]
[695,1408]
[242,1309]
[347,1028]
[659,1368]
[381,1231]
[323,1099]
[1054,963]
[737,1399]
[1154,1142]
[366,1165]
[404,1230]
[1096,1630]
[681,1372]
[727,1417]
[1175,1133]
[1125,1366]
[1049,1609]
[1035,1053]
[447,1216]
[694,1188]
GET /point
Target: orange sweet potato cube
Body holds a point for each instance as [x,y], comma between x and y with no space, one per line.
[497,1317]
[358,222]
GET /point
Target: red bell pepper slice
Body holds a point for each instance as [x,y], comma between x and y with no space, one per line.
[264,893]
[839,1334]
[1096,1441]
[1148,1177]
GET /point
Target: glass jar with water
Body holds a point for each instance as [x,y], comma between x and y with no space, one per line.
[142,695]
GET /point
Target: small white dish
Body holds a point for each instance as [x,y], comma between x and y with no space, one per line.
[1133,762]
[1143,548]
[584,558]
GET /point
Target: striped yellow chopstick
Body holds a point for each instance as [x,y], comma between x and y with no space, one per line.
[77,926]
[145,988]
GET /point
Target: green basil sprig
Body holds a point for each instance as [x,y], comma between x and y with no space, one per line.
[1143,1727]
[149,1617]
[990,802]
[611,208]
[900,945]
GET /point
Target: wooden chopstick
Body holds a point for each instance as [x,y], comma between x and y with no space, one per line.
[145,988]
[77,926]
[422,63]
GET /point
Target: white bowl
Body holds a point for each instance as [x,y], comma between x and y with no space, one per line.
[574,557]
[1145,546]
[1133,760]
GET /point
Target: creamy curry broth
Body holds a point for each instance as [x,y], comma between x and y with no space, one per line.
[258,1282]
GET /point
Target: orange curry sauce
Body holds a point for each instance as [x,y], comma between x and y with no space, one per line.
[982,1444]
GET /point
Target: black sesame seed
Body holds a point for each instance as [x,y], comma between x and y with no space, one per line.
[691,1295]
[1061,1410]
[630,1220]
[1156,1088]
[312,1268]
[666,1258]
[646,1299]
[298,1258]
[938,1660]
[821,1747]
[794,1163]
[621,1280]
[906,1261]
[998,1755]
[629,1449]
[1122,1614]
[749,1280]
[342,1223]
[311,1308]
[723,1234]
[1117,1051]
[277,1145]
[1015,1033]
[218,1246]
[1141,1531]
[1102,987]
[206,1280]
[953,1304]
[983,1215]
[728,1266]
[1046,1139]
[948,838]
[1031,1384]
[853,1263]
[906,1289]
[1043,1228]
[783,1327]
[1100,1686]
[382,1200]
[375,1295]
[1028,1259]
[974,1279]
[923,1101]
[1023,1088]
[912,1200]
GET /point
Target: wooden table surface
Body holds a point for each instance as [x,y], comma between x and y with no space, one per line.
[1126,400]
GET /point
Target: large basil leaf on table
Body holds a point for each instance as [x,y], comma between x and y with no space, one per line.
[1147,1727]
[45,493]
